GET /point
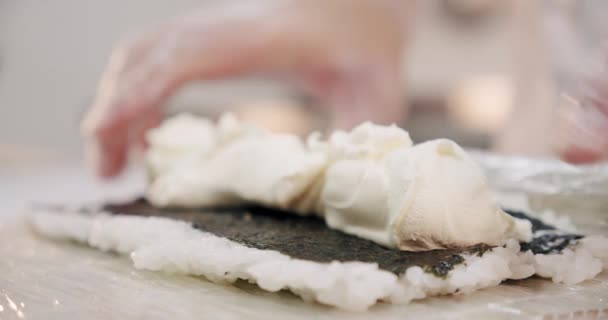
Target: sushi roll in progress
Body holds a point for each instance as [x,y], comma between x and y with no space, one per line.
[371,182]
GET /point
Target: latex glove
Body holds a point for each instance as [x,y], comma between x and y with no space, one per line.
[346,53]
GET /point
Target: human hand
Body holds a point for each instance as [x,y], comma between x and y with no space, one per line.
[584,131]
[345,53]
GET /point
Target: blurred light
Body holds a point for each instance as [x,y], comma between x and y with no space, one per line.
[282,116]
[481,103]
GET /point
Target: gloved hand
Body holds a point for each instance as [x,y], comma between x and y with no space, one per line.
[345,53]
[585,124]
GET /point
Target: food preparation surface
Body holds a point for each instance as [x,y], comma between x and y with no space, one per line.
[43,279]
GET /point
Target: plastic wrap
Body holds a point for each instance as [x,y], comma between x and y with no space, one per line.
[48,279]
[544,176]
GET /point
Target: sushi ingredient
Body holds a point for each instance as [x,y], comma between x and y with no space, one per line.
[371,182]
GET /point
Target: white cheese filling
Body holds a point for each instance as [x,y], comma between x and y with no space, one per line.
[371,182]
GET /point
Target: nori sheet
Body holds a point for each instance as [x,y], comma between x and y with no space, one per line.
[308,238]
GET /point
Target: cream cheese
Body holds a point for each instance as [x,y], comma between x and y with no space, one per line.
[243,164]
[370,182]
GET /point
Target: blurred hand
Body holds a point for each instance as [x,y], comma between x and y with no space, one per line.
[346,53]
[585,125]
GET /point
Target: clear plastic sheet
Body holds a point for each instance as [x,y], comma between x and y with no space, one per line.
[579,192]
[544,176]
[59,280]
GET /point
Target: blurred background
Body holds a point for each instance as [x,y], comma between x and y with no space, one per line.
[476,73]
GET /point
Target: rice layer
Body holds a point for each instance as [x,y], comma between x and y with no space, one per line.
[169,245]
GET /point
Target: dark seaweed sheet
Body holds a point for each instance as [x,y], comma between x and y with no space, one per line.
[547,239]
[308,238]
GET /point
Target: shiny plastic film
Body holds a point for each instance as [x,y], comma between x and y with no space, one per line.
[549,183]
[39,283]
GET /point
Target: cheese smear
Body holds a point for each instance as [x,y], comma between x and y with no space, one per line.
[371,182]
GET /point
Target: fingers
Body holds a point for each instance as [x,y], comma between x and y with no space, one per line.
[576,155]
[374,95]
[236,40]
[108,147]
[126,107]
[144,73]
[107,155]
[139,78]
[583,133]
[140,132]
[111,132]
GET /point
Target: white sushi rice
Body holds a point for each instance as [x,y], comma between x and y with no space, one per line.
[162,244]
